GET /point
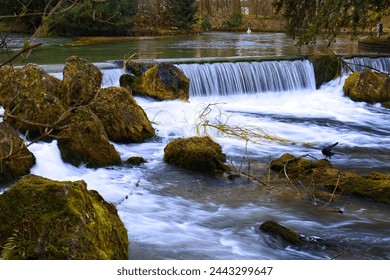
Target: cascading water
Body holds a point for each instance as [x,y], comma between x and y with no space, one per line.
[248,77]
[176,214]
[381,64]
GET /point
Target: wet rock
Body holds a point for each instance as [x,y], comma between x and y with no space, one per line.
[325,177]
[162,82]
[200,154]
[45,219]
[82,81]
[123,119]
[29,96]
[15,159]
[368,86]
[135,161]
[85,141]
[326,68]
[286,234]
[137,68]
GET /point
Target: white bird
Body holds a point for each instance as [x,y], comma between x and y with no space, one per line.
[249,31]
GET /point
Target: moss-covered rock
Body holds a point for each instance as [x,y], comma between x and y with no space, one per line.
[45,219]
[82,81]
[322,175]
[123,119]
[368,86]
[30,99]
[288,235]
[15,159]
[135,161]
[200,154]
[85,141]
[326,68]
[137,68]
[163,82]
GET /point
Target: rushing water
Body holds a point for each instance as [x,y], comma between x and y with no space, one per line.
[176,214]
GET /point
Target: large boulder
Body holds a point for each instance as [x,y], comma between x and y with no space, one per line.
[82,81]
[85,141]
[162,82]
[123,119]
[15,159]
[45,219]
[29,97]
[200,154]
[368,86]
[137,68]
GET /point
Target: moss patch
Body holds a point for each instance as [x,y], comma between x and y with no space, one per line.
[286,234]
[45,219]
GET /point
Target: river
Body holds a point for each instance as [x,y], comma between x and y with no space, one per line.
[171,213]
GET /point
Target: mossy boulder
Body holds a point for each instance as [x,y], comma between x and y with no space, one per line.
[288,235]
[327,178]
[15,159]
[162,82]
[368,86]
[200,154]
[82,81]
[85,141]
[45,219]
[30,99]
[123,119]
[137,68]
[135,161]
[326,68]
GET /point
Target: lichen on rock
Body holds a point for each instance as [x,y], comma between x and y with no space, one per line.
[45,219]
[200,154]
[123,119]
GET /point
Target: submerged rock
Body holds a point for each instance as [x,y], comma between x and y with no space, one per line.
[368,86]
[288,235]
[15,159]
[163,82]
[82,81]
[85,141]
[123,119]
[45,219]
[200,154]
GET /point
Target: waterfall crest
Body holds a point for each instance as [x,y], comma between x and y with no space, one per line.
[382,63]
[249,77]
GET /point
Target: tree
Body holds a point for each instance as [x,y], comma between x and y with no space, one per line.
[182,12]
[309,19]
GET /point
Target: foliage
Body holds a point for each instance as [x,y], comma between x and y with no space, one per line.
[235,20]
[327,18]
[182,13]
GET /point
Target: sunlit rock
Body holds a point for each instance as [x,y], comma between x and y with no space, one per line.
[45,219]
[29,97]
[85,141]
[200,154]
[123,119]
[163,82]
[15,159]
[82,81]
[368,86]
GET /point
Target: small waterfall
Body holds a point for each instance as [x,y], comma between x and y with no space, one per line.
[382,64]
[249,77]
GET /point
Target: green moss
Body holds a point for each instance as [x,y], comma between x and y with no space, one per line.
[200,154]
[45,219]
[326,68]
[286,234]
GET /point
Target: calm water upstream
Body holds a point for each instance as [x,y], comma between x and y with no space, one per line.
[177,214]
